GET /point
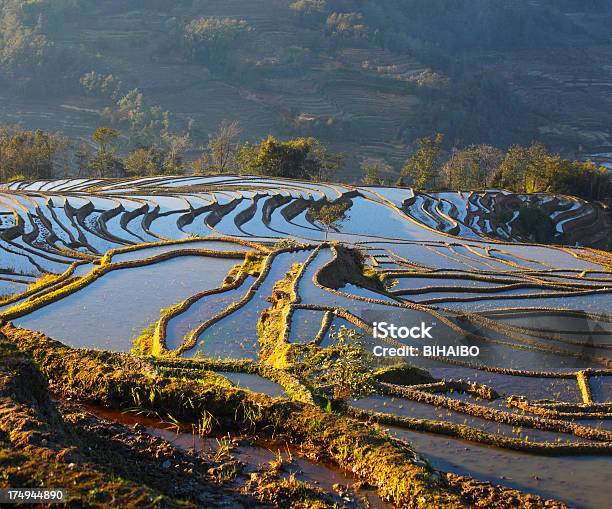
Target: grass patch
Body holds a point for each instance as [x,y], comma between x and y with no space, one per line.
[252,266]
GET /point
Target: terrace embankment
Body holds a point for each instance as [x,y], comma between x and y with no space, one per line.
[34,433]
[348,267]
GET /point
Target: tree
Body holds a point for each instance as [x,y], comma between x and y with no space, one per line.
[220,155]
[535,224]
[105,163]
[309,7]
[103,85]
[32,154]
[145,161]
[174,147]
[305,158]
[524,170]
[25,51]
[347,25]
[312,11]
[323,164]
[472,168]
[105,138]
[424,165]
[534,169]
[372,173]
[584,179]
[329,215]
[207,39]
[82,158]
[144,125]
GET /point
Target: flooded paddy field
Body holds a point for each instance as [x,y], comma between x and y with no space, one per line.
[575,480]
[227,284]
[110,312]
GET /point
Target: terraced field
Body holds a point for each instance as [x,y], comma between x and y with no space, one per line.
[193,273]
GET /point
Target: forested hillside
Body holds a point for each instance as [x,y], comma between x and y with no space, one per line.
[366,78]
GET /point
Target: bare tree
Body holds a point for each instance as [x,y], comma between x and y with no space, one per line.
[221,150]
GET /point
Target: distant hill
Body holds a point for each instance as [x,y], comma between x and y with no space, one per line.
[365,77]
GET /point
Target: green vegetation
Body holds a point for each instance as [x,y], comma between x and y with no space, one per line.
[150,137]
[424,166]
[309,9]
[222,150]
[252,266]
[207,39]
[373,174]
[44,443]
[304,158]
[471,168]
[372,81]
[145,161]
[340,371]
[530,169]
[38,155]
[347,25]
[185,391]
[273,323]
[34,154]
[533,169]
[536,224]
[105,162]
[317,417]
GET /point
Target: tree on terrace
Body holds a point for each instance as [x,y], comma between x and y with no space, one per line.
[423,167]
[105,162]
[220,154]
[473,167]
[32,154]
[145,161]
[372,173]
[329,215]
[305,158]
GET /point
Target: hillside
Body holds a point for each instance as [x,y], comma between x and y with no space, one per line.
[365,79]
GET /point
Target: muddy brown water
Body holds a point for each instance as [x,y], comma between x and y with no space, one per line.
[254,455]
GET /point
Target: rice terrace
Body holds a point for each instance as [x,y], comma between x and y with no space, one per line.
[210,340]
